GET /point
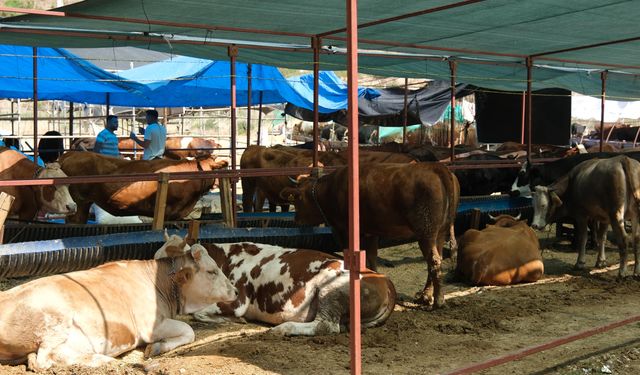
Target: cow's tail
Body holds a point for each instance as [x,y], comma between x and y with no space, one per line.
[388,303]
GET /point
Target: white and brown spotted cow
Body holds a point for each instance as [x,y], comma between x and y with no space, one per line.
[303,292]
[505,253]
[88,317]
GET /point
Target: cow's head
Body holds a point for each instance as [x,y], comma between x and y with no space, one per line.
[54,198]
[504,220]
[528,178]
[174,246]
[200,281]
[304,197]
[546,204]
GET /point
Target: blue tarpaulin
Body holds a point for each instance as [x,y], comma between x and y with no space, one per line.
[61,76]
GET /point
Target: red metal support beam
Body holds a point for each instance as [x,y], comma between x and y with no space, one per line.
[405,108]
[452,70]
[233,54]
[524,96]
[405,16]
[529,107]
[603,98]
[356,258]
[35,105]
[259,119]
[316,44]
[248,105]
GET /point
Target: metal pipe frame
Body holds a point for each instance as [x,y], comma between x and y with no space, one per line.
[405,109]
[35,105]
[529,108]
[452,69]
[259,119]
[316,43]
[233,54]
[248,104]
[603,79]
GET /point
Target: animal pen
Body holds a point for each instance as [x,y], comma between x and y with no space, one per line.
[570,45]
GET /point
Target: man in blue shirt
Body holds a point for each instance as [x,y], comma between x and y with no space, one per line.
[155,137]
[106,141]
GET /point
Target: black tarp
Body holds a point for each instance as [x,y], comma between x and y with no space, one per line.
[499,116]
[424,105]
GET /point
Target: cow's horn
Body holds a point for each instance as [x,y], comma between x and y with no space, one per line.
[492,217]
[293,180]
[518,217]
[166,235]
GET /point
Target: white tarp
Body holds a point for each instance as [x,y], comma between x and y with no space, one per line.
[587,107]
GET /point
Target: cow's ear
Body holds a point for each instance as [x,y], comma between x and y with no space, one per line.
[196,254]
[166,235]
[184,275]
[555,199]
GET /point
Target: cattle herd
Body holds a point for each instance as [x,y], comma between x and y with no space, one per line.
[405,193]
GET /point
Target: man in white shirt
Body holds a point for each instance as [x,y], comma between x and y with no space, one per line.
[155,137]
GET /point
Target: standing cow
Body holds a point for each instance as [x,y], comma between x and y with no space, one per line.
[604,190]
[396,201]
[505,253]
[31,199]
[88,317]
[303,292]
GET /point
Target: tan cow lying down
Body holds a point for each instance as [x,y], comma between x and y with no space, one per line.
[501,254]
[88,317]
[303,292]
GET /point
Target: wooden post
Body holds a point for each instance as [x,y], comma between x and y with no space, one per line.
[475,219]
[315,43]
[529,108]
[259,119]
[193,232]
[35,105]
[248,105]
[6,201]
[404,110]
[161,201]
[452,68]
[226,203]
[603,79]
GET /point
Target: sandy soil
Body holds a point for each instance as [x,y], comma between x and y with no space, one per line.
[476,324]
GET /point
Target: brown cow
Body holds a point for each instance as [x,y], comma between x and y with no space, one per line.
[88,317]
[134,198]
[604,190]
[31,199]
[303,292]
[270,187]
[176,147]
[505,253]
[396,201]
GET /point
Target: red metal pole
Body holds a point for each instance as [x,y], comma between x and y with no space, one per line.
[405,109]
[523,116]
[529,108]
[603,79]
[315,42]
[35,105]
[233,53]
[259,119]
[248,105]
[452,68]
[354,255]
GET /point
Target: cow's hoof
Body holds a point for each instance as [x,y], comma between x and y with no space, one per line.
[423,299]
[601,264]
[151,350]
[580,266]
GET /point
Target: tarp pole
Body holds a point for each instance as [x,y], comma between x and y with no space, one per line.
[452,69]
[233,53]
[13,130]
[108,103]
[248,105]
[259,119]
[529,107]
[523,117]
[404,110]
[315,42]
[603,79]
[355,257]
[35,105]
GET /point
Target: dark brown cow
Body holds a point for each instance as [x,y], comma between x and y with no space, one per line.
[31,199]
[604,190]
[303,292]
[135,198]
[270,187]
[501,254]
[396,201]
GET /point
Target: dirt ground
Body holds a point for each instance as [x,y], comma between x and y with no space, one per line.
[477,324]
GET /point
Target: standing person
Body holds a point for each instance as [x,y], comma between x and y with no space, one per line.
[155,137]
[106,141]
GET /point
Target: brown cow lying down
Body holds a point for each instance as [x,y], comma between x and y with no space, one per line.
[396,201]
[88,317]
[303,292]
[501,254]
[31,199]
[135,198]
